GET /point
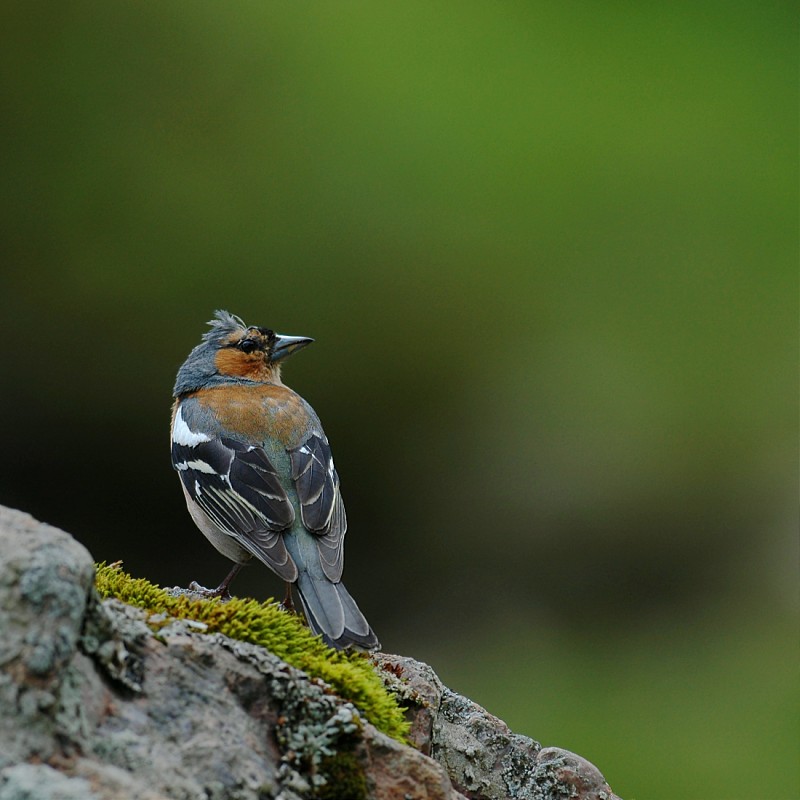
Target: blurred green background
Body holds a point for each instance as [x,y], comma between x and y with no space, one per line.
[548,253]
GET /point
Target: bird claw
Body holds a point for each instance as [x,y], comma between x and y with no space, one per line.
[221,591]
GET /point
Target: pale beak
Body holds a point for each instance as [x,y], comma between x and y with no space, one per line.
[286,345]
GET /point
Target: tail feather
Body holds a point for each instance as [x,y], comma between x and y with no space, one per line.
[332,613]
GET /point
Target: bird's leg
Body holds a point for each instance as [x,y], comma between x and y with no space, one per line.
[288,603]
[222,590]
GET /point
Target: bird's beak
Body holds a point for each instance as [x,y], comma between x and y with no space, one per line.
[286,345]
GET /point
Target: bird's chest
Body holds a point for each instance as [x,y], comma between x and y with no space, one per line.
[261,414]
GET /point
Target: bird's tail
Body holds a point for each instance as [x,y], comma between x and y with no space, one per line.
[332,613]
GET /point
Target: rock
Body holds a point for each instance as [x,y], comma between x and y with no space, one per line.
[45,579]
[41,782]
[483,758]
[419,687]
[558,769]
[396,772]
[95,704]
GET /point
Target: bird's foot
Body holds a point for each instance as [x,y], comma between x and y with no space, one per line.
[221,591]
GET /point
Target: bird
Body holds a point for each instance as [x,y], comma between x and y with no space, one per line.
[258,475]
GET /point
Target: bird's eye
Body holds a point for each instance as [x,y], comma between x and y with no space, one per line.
[247,345]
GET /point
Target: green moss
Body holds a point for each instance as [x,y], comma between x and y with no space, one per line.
[350,675]
[344,776]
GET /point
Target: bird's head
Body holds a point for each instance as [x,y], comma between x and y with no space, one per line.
[234,352]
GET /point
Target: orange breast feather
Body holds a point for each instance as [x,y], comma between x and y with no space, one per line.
[259,412]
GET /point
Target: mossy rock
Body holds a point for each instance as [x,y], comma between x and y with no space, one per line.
[350,675]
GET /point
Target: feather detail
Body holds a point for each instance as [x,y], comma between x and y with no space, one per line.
[238,489]
[321,504]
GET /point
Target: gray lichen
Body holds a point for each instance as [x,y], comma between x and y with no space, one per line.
[312,724]
[112,635]
[41,782]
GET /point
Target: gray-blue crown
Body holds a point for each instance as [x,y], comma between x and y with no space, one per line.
[200,370]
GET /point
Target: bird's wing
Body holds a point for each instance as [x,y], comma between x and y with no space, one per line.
[238,488]
[321,505]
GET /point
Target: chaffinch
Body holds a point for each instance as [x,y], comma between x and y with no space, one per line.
[258,475]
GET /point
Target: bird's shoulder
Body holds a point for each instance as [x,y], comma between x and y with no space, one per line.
[253,413]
